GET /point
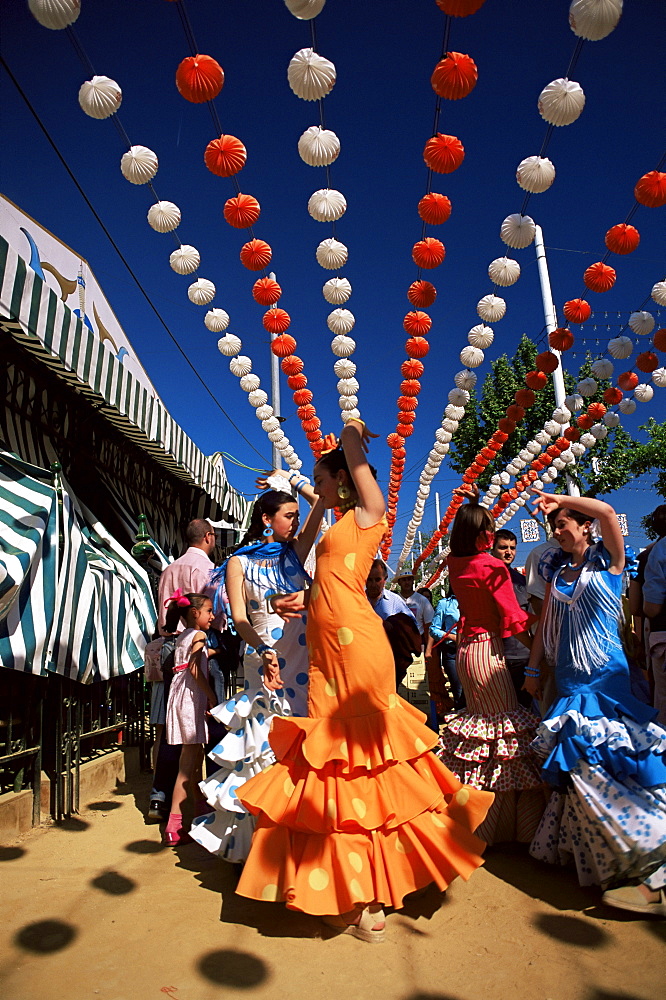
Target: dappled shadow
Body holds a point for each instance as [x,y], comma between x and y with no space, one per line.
[555,885]
[104,806]
[113,883]
[656,927]
[72,825]
[430,996]
[597,994]
[237,969]
[572,930]
[146,846]
[424,903]
[45,936]
[210,871]
[11,853]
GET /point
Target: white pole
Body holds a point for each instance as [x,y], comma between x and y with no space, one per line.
[438,519]
[551,324]
[275,394]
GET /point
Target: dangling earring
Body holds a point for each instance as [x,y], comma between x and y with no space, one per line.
[267,532]
[343,491]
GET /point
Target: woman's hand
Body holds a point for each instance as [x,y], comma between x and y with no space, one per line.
[272,678]
[547,502]
[262,480]
[288,605]
[468,490]
[363,432]
[533,687]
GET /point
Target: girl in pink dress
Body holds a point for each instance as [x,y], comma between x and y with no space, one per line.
[190,697]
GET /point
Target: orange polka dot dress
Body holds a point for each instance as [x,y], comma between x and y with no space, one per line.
[356,809]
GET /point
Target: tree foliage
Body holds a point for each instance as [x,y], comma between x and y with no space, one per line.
[608,467]
[652,455]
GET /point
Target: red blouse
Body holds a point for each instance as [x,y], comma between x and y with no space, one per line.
[483,589]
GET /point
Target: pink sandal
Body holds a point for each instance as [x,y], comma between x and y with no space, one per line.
[367,928]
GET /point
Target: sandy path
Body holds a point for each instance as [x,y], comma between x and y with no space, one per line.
[98,909]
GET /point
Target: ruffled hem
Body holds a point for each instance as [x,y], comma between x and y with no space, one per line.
[517,774]
[248,717]
[225,834]
[335,871]
[365,742]
[502,726]
[220,789]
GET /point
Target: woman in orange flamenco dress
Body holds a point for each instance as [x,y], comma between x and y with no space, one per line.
[357,812]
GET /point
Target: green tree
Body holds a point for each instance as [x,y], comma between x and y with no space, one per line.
[651,456]
[608,467]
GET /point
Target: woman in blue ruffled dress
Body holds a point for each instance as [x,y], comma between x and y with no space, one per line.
[604,756]
[269,560]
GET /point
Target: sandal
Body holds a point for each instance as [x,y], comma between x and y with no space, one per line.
[630,897]
[365,929]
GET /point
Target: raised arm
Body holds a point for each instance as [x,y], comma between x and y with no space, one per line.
[594,509]
[371,506]
[236,594]
[310,528]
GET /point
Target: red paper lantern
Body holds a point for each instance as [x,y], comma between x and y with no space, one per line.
[599,277]
[531,476]
[459,8]
[293,366]
[276,320]
[536,380]
[512,494]
[546,362]
[577,311]
[454,76]
[421,294]
[627,381]
[584,421]
[622,239]
[399,457]
[488,453]
[501,435]
[443,153]
[306,412]
[651,189]
[199,78]
[266,291]
[596,411]
[283,345]
[311,425]
[297,381]
[225,156]
[507,426]
[428,253]
[515,412]
[395,440]
[561,339]
[302,397]
[255,255]
[410,387]
[241,211]
[407,403]
[434,208]
[525,398]
[416,323]
[405,429]
[475,468]
[553,451]
[406,417]
[562,443]
[659,339]
[647,361]
[411,368]
[572,434]
[313,435]
[417,347]
[612,395]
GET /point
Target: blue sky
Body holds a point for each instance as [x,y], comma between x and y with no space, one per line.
[382,110]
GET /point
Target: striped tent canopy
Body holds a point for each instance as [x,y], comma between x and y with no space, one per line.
[32,313]
[72,600]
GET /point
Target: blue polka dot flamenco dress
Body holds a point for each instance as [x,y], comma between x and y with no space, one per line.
[245,750]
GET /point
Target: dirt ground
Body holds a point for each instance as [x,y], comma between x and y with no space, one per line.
[98,908]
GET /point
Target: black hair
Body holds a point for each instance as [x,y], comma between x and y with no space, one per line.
[656,521]
[268,503]
[469,522]
[176,611]
[197,530]
[505,534]
[335,461]
[381,564]
[573,514]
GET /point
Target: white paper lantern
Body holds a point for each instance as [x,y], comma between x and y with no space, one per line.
[620,347]
[504,271]
[440,449]
[229,345]
[454,412]
[305,10]
[658,293]
[344,368]
[249,383]
[348,415]
[659,377]
[574,402]
[55,14]
[491,308]
[459,397]
[138,165]
[551,427]
[587,387]
[240,366]
[261,412]
[626,406]
[643,392]
[512,469]
[184,260]
[480,336]
[535,174]
[505,478]
[449,424]
[602,368]
[588,440]
[518,231]
[567,456]
[471,357]
[599,431]
[348,386]
[275,436]
[610,419]
[562,415]
[100,97]
[594,19]
[331,254]
[641,322]
[340,321]
[525,456]
[559,463]
[270,424]
[201,292]
[318,146]
[295,463]
[347,402]
[216,320]
[327,205]
[258,398]
[442,436]
[543,437]
[578,449]
[337,291]
[561,102]
[164,216]
[310,76]
[465,379]
[533,448]
[342,346]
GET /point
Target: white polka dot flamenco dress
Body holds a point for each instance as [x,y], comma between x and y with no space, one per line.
[245,750]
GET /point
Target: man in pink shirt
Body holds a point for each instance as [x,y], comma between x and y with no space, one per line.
[190,572]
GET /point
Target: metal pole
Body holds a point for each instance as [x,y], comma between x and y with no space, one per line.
[551,324]
[437,520]
[275,394]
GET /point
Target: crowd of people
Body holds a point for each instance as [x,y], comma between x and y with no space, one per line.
[336,796]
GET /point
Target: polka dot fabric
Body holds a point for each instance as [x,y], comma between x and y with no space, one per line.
[356,809]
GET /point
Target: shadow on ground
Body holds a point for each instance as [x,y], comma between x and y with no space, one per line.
[554,885]
[237,969]
[45,936]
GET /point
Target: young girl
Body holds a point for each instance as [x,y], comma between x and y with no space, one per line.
[487,745]
[190,697]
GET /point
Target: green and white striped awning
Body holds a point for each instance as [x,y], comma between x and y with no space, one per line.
[34,315]
[72,600]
